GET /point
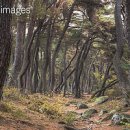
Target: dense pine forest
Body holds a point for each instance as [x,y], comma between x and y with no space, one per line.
[64,64]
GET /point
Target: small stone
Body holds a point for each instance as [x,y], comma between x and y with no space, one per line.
[101,100]
[88,113]
[116,119]
[109,115]
[82,106]
[67,104]
[40,110]
[102,112]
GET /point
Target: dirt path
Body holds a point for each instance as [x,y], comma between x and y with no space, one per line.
[92,122]
[37,121]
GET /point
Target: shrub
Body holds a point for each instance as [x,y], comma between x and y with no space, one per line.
[69,118]
[111,105]
[53,110]
[6,107]
[19,114]
[35,105]
[48,107]
[12,93]
[113,92]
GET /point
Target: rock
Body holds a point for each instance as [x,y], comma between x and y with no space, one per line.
[116,119]
[67,104]
[120,118]
[40,110]
[101,100]
[108,116]
[61,122]
[70,128]
[73,128]
[125,118]
[125,103]
[82,106]
[88,113]
[113,112]
[102,112]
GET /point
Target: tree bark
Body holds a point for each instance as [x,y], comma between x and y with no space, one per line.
[79,65]
[52,82]
[128,21]
[121,74]
[26,59]
[5,42]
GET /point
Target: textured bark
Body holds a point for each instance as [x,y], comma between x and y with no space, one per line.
[47,57]
[28,75]
[64,66]
[128,21]
[80,64]
[19,48]
[111,84]
[18,52]
[121,74]
[26,59]
[57,49]
[59,87]
[5,42]
[106,75]
[36,64]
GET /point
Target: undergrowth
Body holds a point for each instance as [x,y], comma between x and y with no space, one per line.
[10,108]
[69,118]
[13,94]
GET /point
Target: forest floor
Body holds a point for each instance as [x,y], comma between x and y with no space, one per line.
[38,112]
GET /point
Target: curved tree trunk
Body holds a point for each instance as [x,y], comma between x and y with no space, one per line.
[128,20]
[26,59]
[121,74]
[5,42]
[80,64]
[47,57]
[20,38]
[57,49]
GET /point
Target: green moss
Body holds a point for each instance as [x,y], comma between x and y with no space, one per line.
[13,94]
[69,118]
[111,105]
[101,100]
[6,107]
[89,113]
[19,114]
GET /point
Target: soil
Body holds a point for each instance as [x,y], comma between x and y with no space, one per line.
[39,121]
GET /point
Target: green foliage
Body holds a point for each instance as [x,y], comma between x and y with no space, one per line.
[6,107]
[13,94]
[125,66]
[69,117]
[10,108]
[101,100]
[19,114]
[35,105]
[89,113]
[111,105]
[112,93]
[53,110]
[39,8]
